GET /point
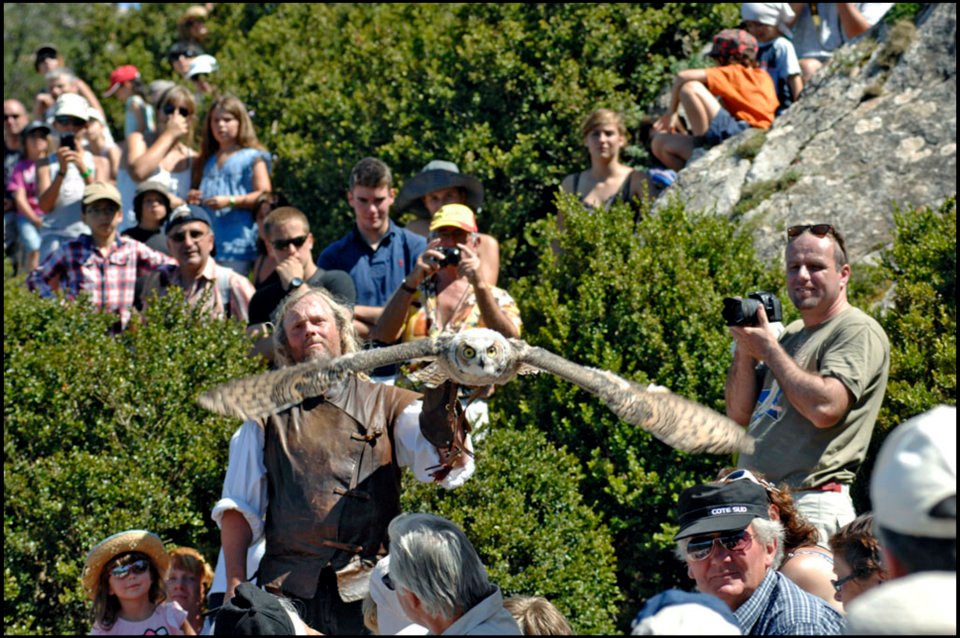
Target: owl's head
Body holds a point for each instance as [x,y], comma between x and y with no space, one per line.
[479,356]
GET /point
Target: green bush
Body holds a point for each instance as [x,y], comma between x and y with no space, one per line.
[921,325]
[645,304]
[103,434]
[523,512]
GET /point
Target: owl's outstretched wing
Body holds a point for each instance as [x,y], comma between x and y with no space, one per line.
[261,395]
[678,422]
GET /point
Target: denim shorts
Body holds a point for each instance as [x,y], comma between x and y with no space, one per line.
[722,126]
[28,234]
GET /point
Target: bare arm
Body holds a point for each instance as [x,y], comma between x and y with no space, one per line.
[84,89]
[489,250]
[795,82]
[235,537]
[742,389]
[797,8]
[851,19]
[24,207]
[365,318]
[493,315]
[48,188]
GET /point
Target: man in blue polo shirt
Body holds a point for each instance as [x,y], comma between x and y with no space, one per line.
[377,253]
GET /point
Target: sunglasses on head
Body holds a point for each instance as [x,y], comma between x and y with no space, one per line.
[136,567]
[819,230]
[747,475]
[281,244]
[69,119]
[700,547]
[182,235]
[168,109]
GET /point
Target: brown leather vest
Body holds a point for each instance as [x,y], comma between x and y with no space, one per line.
[333,482]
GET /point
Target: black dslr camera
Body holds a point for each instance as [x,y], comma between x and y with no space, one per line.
[743,312]
[451,257]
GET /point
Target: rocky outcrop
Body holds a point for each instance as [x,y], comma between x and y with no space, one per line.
[874,130]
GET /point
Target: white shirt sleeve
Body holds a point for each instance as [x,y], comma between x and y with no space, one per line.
[245,485]
[418,454]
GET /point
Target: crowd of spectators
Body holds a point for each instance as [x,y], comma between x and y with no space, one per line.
[310,504]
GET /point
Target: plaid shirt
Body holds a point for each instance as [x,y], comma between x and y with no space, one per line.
[205,289]
[79,266]
[779,607]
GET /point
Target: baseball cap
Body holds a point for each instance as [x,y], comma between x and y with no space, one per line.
[202,64]
[730,42]
[121,74]
[186,213]
[101,190]
[915,472]
[189,49]
[44,52]
[73,105]
[720,507]
[456,215]
[254,612]
[36,125]
[774,14]
[680,613]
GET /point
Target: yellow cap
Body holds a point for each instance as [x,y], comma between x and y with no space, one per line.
[456,215]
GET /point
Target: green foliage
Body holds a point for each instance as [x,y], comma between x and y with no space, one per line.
[524,514]
[755,193]
[645,304]
[102,434]
[922,325]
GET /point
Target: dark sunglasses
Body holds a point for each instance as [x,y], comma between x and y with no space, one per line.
[168,109]
[13,116]
[700,547]
[838,584]
[281,244]
[189,53]
[69,119]
[747,475]
[182,235]
[820,230]
[137,567]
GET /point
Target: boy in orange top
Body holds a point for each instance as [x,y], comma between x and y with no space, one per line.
[719,102]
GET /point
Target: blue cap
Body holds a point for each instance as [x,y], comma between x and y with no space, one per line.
[187,213]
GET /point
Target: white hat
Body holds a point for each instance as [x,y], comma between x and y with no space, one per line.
[774,14]
[202,64]
[73,105]
[689,619]
[916,470]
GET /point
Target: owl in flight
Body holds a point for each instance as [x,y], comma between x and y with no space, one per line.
[481,357]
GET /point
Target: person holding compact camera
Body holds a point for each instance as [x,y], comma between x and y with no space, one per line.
[446,293]
[810,398]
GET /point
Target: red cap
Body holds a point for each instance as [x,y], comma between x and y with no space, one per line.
[120,75]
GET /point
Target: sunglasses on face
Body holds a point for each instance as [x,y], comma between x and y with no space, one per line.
[281,244]
[189,53]
[700,547]
[136,567]
[168,109]
[69,120]
[102,211]
[747,475]
[838,584]
[182,235]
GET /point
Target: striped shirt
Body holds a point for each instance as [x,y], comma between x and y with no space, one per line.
[779,607]
[109,277]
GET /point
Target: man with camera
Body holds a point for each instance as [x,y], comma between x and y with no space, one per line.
[445,293]
[811,397]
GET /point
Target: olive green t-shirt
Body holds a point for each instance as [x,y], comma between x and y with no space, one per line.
[852,348]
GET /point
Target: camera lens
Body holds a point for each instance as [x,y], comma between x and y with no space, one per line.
[740,312]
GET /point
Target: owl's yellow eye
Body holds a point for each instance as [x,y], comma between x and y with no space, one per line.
[492,350]
[469,352]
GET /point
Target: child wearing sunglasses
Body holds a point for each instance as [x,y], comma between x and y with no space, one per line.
[122,577]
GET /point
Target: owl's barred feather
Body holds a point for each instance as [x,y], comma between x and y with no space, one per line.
[479,357]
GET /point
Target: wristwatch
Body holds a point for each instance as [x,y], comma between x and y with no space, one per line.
[296,282]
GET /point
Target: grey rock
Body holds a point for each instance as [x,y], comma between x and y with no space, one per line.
[864,139]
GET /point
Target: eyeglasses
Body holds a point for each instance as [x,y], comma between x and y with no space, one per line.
[281,244]
[838,584]
[102,211]
[137,567]
[182,235]
[747,475]
[168,109]
[69,119]
[700,547]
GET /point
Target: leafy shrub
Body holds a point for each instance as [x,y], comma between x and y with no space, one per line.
[921,326]
[646,305]
[524,514]
[103,434]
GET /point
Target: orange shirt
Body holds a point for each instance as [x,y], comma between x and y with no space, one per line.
[748,94]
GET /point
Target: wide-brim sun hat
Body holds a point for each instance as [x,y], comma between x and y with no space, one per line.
[437,175]
[132,540]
